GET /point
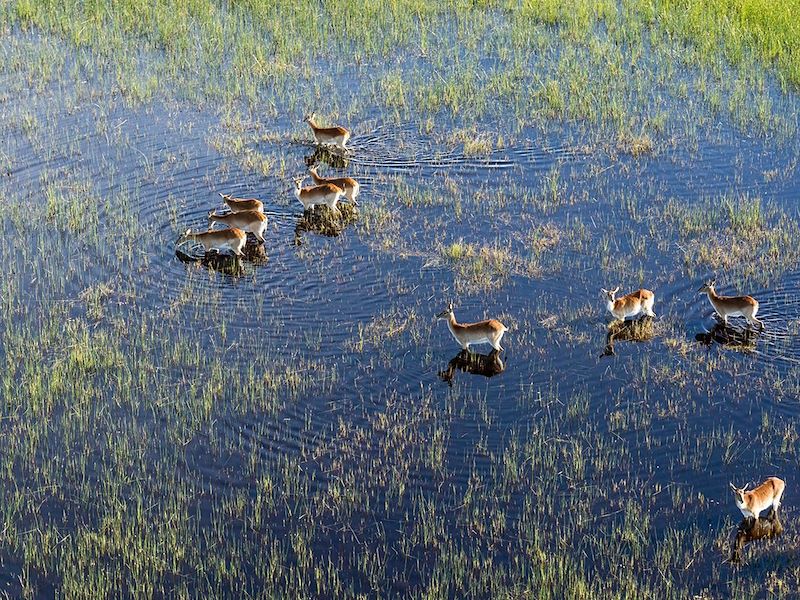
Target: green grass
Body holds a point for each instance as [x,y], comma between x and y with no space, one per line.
[610,56]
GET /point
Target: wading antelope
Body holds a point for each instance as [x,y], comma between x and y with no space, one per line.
[251,221]
[638,302]
[317,195]
[242,204]
[466,334]
[231,240]
[335,136]
[349,185]
[753,502]
[732,306]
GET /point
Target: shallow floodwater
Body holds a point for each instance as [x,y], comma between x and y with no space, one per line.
[356,311]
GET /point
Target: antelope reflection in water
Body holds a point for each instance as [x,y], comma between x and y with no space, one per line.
[732,338]
[230,264]
[640,330]
[323,221]
[323,154]
[750,530]
[487,365]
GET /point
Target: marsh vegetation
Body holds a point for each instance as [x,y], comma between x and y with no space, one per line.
[293,423]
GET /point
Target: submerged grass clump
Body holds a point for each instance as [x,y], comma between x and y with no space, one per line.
[479,267]
[739,234]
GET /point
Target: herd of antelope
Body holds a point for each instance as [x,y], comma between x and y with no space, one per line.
[639,304]
[246,215]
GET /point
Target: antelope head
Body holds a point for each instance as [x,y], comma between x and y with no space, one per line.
[610,294]
[738,493]
[707,286]
[447,312]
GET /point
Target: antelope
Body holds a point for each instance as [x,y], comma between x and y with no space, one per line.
[483,332]
[232,240]
[753,502]
[247,220]
[317,195]
[335,136]
[630,305]
[350,186]
[732,306]
[242,204]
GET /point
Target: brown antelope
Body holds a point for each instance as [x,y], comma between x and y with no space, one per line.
[334,136]
[348,184]
[232,240]
[251,221]
[732,306]
[242,204]
[317,195]
[630,305]
[753,502]
[483,332]
[487,365]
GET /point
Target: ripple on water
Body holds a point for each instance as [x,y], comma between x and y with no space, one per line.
[404,149]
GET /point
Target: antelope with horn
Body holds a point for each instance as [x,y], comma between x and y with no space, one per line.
[753,502]
[231,240]
[251,221]
[349,185]
[732,306]
[630,305]
[483,332]
[242,204]
[333,136]
[317,195]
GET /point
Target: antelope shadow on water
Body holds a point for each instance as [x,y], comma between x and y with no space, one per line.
[639,330]
[729,337]
[474,363]
[750,530]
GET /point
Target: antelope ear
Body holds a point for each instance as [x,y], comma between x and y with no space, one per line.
[604,290]
[615,290]
[733,487]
